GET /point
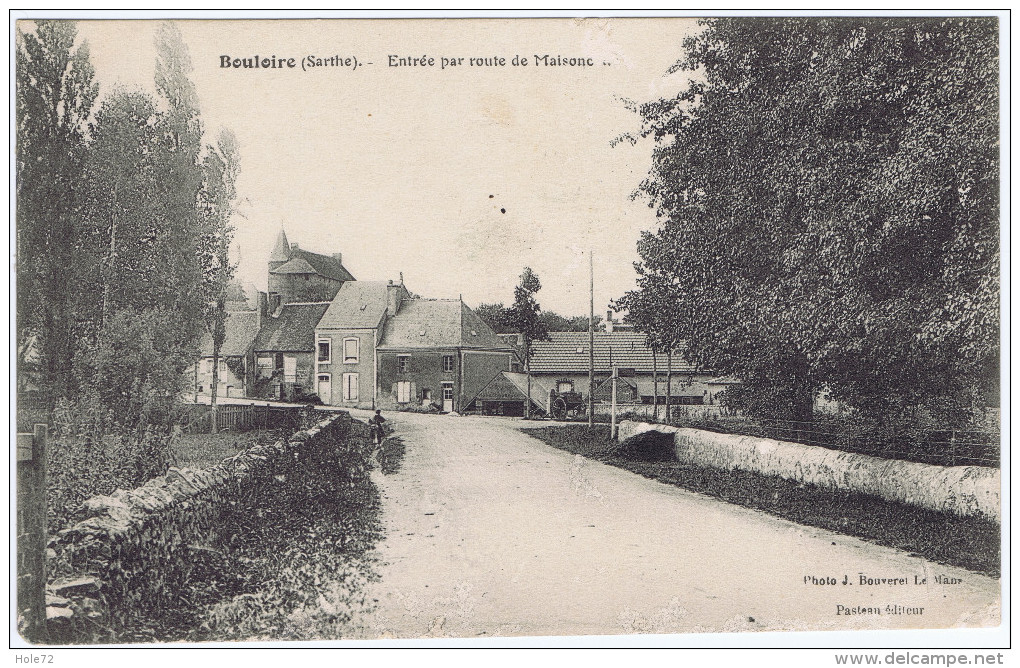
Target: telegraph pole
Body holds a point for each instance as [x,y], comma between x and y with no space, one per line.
[591,339]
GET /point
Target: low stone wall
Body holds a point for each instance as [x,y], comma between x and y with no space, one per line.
[136,547]
[961,490]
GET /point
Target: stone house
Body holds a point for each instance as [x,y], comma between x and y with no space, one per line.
[437,352]
[346,338]
[236,358]
[378,347]
[297,275]
[284,352]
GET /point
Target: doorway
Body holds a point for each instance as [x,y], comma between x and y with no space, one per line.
[325,389]
[448,397]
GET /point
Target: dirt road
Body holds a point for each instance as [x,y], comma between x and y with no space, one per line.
[492,533]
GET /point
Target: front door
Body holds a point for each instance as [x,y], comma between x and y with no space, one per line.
[325,389]
[447,397]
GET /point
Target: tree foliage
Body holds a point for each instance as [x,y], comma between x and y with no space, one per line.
[55,92]
[828,196]
[497,316]
[123,226]
[524,315]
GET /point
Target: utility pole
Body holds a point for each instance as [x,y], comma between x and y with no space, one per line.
[612,426]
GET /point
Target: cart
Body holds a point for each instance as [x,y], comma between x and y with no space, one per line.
[564,405]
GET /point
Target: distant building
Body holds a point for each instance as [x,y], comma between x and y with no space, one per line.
[346,337]
[297,275]
[378,347]
[236,369]
[319,333]
[562,364]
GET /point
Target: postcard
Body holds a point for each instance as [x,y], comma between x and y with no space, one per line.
[500,328]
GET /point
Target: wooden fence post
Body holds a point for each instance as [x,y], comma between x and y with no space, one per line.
[31,514]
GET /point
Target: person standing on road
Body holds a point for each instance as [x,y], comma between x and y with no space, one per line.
[376,425]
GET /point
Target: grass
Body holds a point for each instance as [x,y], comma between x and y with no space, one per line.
[969,543]
[204,450]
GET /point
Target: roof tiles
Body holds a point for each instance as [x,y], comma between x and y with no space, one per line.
[567,352]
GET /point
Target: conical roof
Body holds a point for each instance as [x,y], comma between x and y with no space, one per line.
[281,251]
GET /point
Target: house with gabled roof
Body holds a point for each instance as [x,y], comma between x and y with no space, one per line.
[437,352]
[346,338]
[284,351]
[236,361]
[376,346]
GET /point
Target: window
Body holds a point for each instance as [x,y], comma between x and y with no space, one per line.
[351,351]
[447,363]
[325,354]
[403,363]
[448,391]
[265,362]
[289,369]
[350,387]
[404,392]
[223,366]
[564,386]
[207,365]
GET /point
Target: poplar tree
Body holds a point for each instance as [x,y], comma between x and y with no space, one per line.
[55,92]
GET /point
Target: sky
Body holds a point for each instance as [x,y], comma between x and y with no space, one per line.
[456,177]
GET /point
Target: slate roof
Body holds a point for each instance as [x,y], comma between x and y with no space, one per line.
[307,262]
[358,305]
[281,251]
[438,323]
[239,333]
[296,266]
[291,328]
[567,352]
[299,261]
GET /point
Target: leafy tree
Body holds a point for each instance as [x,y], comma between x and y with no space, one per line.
[654,310]
[523,317]
[554,322]
[495,316]
[828,193]
[55,93]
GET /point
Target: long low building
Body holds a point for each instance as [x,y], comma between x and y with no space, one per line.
[562,363]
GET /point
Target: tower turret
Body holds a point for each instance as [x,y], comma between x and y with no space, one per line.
[281,251]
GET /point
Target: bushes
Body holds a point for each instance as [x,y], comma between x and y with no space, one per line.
[89,456]
[270,543]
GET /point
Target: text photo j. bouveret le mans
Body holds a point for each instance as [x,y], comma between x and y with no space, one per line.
[481,328]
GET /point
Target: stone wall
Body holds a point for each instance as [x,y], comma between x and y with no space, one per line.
[960,490]
[136,546]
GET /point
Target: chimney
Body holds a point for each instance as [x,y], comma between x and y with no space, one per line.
[394,294]
[401,278]
[339,257]
[609,322]
[261,309]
